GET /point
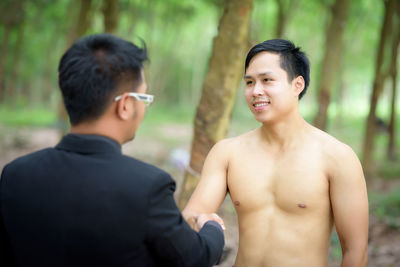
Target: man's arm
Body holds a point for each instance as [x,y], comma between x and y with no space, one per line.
[212,188]
[171,239]
[6,254]
[349,201]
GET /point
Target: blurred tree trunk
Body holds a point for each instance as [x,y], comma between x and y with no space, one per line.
[281,23]
[341,87]
[110,12]
[381,71]
[48,83]
[331,59]
[3,59]
[219,88]
[285,8]
[8,9]
[15,60]
[76,31]
[84,20]
[393,75]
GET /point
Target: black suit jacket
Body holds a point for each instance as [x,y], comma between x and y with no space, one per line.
[83,203]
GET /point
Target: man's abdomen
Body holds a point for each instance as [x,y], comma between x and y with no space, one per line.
[272,237]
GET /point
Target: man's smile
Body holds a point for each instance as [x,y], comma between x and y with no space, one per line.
[261,104]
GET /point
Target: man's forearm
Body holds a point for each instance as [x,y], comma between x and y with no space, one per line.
[355,258]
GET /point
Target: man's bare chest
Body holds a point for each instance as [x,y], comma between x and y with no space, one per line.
[295,183]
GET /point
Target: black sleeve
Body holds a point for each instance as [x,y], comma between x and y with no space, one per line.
[171,239]
[6,255]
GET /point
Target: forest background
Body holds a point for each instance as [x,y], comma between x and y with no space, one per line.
[197,50]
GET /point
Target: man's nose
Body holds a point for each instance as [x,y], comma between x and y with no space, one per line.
[258,89]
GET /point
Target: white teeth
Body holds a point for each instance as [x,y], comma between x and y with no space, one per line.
[260,105]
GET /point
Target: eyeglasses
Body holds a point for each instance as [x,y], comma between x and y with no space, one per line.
[147,99]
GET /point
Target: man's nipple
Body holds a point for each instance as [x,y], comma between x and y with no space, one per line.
[301,205]
[237,203]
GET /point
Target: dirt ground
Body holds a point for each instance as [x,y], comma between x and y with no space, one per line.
[169,151]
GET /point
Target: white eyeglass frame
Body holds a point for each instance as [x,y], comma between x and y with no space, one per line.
[147,99]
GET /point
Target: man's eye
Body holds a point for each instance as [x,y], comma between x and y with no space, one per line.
[267,80]
[249,82]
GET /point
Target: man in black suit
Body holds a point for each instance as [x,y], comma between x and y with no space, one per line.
[83,203]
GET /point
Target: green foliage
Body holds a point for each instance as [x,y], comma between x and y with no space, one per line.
[335,250]
[390,170]
[23,116]
[386,206]
[169,114]
[179,35]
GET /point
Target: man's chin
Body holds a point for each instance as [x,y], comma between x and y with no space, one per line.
[260,118]
[263,120]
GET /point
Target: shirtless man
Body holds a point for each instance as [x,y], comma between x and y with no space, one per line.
[289,181]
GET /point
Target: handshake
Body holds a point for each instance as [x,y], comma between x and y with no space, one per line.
[197,220]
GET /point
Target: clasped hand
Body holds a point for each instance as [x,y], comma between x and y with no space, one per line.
[197,221]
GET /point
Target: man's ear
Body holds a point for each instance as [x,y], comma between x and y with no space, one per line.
[299,85]
[125,107]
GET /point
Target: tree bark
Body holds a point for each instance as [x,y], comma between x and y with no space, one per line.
[393,75]
[380,75]
[85,18]
[3,59]
[110,12]
[285,8]
[331,59]
[9,17]
[340,96]
[48,85]
[16,55]
[281,19]
[83,23]
[219,88]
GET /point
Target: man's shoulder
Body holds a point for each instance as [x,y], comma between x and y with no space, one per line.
[329,143]
[135,163]
[29,159]
[147,171]
[236,141]
[334,151]
[228,148]
[151,179]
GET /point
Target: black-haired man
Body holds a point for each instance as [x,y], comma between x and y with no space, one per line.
[83,203]
[289,181]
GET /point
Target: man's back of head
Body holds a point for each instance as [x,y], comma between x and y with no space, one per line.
[91,70]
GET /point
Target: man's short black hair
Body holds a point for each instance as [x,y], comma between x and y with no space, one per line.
[292,60]
[91,70]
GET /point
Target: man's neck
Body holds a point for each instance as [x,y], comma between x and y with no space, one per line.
[97,128]
[284,132]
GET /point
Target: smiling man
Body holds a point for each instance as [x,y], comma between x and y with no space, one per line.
[289,181]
